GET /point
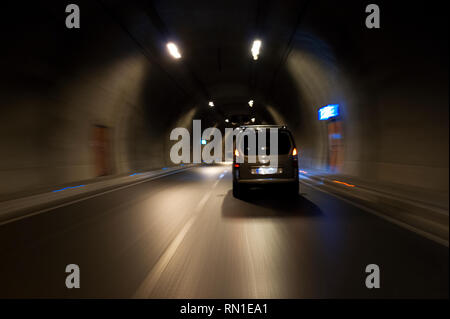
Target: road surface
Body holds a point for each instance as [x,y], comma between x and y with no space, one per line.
[185,236]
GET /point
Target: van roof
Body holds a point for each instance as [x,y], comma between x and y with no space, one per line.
[263,126]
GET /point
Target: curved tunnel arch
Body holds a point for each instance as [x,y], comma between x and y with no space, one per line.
[114,72]
[86,175]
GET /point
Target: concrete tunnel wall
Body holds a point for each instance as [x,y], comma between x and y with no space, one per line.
[57,84]
[392,88]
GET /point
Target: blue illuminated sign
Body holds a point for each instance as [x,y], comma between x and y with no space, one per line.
[328,111]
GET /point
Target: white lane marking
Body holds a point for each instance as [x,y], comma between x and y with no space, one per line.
[91,196]
[381,215]
[149,283]
[147,286]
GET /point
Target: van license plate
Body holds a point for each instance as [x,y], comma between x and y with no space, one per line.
[267,170]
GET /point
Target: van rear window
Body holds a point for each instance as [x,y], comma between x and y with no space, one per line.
[284,144]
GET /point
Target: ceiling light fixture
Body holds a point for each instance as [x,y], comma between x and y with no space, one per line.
[173,50]
[255,49]
[211,103]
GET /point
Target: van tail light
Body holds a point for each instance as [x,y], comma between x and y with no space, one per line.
[294,152]
[236,165]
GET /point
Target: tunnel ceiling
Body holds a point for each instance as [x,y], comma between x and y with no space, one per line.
[215,39]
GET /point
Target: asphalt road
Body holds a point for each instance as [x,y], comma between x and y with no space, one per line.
[185,236]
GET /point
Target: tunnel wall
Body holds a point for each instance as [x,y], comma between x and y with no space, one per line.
[391,132]
[58,84]
[392,90]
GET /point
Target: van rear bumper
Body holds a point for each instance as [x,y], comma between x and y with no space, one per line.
[266,180]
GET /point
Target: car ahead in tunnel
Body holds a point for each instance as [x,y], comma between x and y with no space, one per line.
[262,171]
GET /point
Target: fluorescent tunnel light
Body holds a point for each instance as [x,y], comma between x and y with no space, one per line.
[255,49]
[173,50]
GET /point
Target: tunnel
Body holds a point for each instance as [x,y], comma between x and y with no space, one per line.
[87,110]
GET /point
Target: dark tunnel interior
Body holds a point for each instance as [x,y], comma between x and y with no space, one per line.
[111,88]
[114,72]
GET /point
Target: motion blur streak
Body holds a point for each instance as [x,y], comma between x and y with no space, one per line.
[145,289]
[343,183]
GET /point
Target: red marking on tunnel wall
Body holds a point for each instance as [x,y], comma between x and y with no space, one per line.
[335,146]
[101,150]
